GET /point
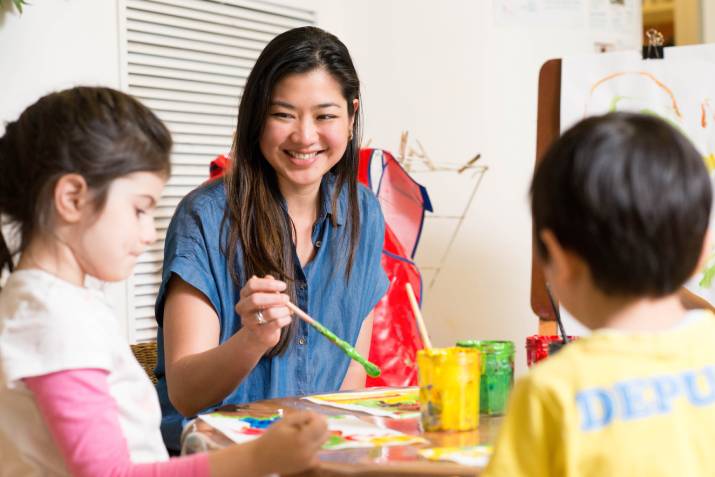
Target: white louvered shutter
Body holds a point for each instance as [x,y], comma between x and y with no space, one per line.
[188,60]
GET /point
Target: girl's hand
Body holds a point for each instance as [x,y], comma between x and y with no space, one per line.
[290,445]
[262,310]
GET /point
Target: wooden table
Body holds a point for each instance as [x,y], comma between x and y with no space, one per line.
[374,462]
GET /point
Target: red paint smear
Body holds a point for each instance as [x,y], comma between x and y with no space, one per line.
[703,114]
[342,436]
[252,431]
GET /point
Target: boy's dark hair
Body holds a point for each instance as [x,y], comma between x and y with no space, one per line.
[631,196]
[99,133]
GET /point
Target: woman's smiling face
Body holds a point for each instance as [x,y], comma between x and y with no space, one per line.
[307,129]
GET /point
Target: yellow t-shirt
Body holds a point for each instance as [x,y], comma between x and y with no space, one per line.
[616,405]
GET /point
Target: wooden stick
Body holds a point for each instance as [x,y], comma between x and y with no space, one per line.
[468,164]
[371,369]
[418,317]
[301,314]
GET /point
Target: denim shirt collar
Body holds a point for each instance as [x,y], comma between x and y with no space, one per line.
[327,185]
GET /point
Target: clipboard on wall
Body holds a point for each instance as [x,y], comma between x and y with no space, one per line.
[676,85]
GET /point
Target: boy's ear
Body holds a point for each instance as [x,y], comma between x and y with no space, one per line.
[705,252]
[71,197]
[561,264]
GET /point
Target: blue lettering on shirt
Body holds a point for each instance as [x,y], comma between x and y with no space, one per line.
[641,398]
[666,389]
[596,407]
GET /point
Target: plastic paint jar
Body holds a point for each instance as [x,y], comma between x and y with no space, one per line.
[497,373]
[449,388]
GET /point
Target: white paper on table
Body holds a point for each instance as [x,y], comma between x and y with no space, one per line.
[363,434]
[475,456]
[231,427]
[351,401]
[357,433]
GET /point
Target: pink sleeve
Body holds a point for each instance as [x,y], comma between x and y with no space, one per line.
[83,419]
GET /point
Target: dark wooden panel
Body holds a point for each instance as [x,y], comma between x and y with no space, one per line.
[548,126]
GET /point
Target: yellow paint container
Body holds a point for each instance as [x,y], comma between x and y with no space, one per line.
[449,388]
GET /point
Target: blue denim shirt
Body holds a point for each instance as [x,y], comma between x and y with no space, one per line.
[311,364]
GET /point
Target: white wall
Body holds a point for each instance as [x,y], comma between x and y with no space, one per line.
[422,70]
[54,45]
[708,8]
[459,81]
[462,82]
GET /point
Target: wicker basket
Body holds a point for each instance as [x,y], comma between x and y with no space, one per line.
[145,353]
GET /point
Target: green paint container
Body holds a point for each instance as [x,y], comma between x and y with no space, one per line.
[497,373]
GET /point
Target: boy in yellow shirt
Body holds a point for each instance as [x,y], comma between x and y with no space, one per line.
[620,209]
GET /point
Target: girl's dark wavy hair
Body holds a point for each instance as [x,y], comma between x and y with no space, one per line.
[100,133]
[256,218]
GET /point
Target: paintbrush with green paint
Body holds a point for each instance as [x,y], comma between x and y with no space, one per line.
[372,370]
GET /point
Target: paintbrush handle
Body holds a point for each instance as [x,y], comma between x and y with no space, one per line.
[418,317]
[557,315]
[371,369]
[301,314]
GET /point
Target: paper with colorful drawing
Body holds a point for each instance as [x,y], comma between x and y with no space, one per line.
[397,404]
[346,432]
[473,456]
[679,89]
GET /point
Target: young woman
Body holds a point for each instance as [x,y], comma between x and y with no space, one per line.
[81,172]
[288,223]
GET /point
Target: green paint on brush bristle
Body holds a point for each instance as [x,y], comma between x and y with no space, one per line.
[371,369]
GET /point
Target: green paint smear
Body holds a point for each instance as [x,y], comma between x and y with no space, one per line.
[613,107]
[708,276]
[372,370]
[333,442]
[708,273]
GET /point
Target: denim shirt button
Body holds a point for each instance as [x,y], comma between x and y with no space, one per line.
[301,340]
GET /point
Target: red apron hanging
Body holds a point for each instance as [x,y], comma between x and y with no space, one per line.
[395,337]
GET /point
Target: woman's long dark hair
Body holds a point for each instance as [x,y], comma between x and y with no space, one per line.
[100,133]
[255,215]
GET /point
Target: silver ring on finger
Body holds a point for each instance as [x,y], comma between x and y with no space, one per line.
[259,318]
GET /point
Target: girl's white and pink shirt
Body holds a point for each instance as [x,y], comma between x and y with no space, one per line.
[73,398]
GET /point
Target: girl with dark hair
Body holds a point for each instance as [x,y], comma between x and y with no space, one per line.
[81,172]
[289,222]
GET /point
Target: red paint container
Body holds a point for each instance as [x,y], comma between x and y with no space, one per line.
[537,347]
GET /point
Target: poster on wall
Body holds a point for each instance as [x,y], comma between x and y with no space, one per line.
[539,12]
[611,24]
[679,88]
[614,16]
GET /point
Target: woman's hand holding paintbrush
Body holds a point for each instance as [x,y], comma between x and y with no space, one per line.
[273,310]
[263,311]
